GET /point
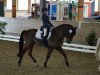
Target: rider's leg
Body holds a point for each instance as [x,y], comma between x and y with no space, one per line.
[45,37]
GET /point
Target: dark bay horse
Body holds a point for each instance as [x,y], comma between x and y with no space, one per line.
[28,39]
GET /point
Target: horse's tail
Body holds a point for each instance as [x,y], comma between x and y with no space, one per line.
[21,42]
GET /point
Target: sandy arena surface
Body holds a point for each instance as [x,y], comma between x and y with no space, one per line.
[80,63]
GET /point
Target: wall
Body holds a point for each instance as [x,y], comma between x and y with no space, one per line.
[85,29]
[99,6]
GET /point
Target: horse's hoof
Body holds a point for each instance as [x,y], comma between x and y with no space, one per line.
[36,64]
[67,65]
[17,55]
[19,65]
[45,66]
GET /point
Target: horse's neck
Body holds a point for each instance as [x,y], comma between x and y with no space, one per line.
[58,33]
[61,30]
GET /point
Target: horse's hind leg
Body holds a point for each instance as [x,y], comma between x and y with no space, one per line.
[30,54]
[22,54]
[20,58]
[64,55]
[47,57]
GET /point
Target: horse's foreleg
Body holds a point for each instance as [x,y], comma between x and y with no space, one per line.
[64,55]
[47,57]
[30,54]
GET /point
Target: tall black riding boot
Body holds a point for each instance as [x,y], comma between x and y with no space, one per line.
[45,42]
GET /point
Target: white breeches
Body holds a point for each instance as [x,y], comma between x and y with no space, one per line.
[45,31]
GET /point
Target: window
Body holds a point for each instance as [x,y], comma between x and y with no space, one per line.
[9,4]
[22,4]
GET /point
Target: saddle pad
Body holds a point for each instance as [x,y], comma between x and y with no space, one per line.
[39,33]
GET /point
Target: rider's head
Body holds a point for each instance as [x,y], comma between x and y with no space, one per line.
[44,10]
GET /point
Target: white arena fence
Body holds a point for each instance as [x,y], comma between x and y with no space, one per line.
[9,38]
[78,47]
[66,46]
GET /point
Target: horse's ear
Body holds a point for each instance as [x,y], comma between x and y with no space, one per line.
[75,28]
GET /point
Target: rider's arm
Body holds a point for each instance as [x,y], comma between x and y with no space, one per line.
[44,20]
[49,21]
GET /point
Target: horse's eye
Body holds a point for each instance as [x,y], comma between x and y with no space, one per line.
[70,31]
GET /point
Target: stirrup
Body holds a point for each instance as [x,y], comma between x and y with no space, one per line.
[45,44]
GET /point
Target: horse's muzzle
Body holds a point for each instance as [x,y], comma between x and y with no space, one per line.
[68,41]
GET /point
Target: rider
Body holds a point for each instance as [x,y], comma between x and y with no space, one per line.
[46,25]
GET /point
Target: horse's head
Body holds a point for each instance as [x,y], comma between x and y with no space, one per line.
[71,31]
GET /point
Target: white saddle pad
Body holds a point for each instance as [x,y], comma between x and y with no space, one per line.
[39,33]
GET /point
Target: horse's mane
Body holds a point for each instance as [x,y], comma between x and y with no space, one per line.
[62,26]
